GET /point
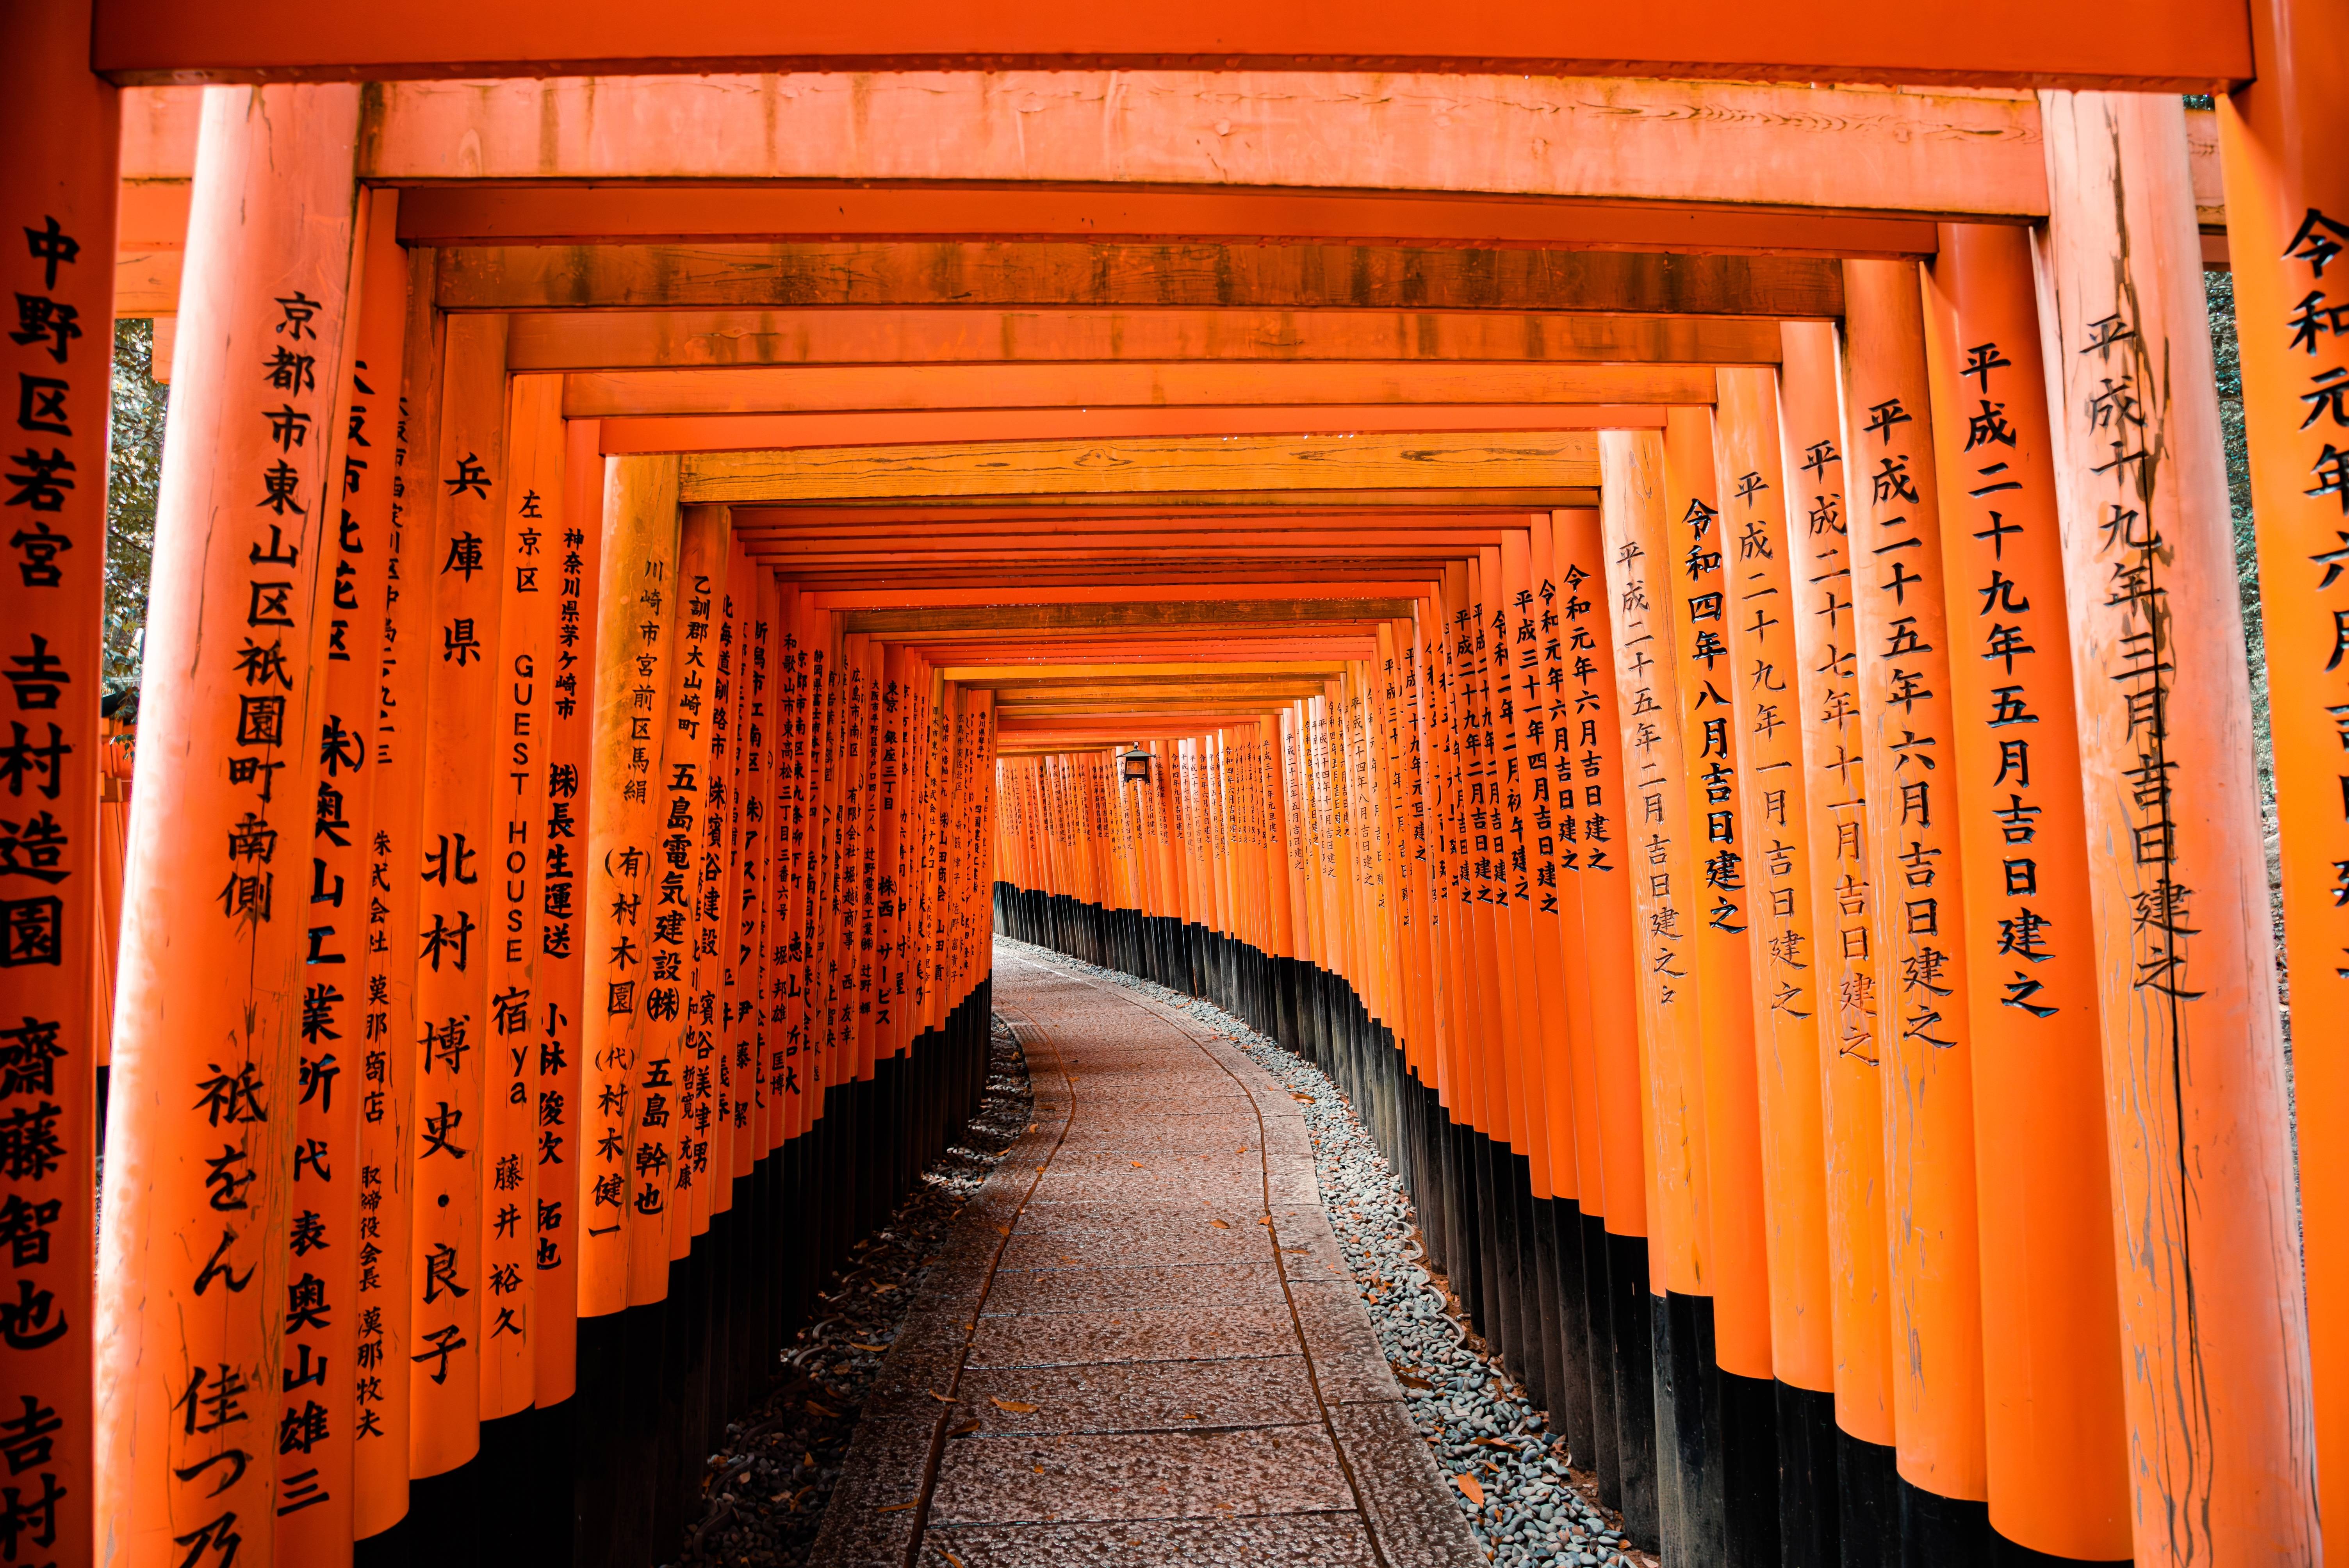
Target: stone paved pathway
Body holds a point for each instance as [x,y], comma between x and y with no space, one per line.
[1138,1344]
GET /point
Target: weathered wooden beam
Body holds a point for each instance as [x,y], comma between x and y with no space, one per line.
[490,214]
[643,339]
[1762,144]
[1121,727]
[796,389]
[774,275]
[934,555]
[1155,467]
[1095,588]
[1195,692]
[2167,44]
[1278,615]
[1440,500]
[755,432]
[1147,646]
[824,519]
[1167,707]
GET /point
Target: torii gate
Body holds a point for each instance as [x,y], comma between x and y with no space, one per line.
[802,306]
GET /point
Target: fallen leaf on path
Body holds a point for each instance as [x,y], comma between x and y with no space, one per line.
[1302,1098]
[964,1430]
[883,1289]
[1408,1381]
[1471,1487]
[1219,1224]
[1002,1230]
[855,1346]
[950,1557]
[1135,1164]
[899,1507]
[1012,1406]
[941,1398]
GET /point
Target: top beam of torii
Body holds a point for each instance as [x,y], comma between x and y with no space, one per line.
[2171,45]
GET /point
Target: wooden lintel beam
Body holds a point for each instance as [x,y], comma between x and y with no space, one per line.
[775,274]
[1115,516]
[965,211]
[865,591]
[1194,690]
[1058,516]
[619,340]
[1122,725]
[934,598]
[1309,645]
[2175,45]
[1275,616]
[1128,700]
[1153,384]
[775,432]
[1159,468]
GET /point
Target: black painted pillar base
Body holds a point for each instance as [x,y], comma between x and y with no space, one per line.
[1809,1521]
[1869,1497]
[1637,1423]
[1604,1459]
[1750,1469]
[1938,1532]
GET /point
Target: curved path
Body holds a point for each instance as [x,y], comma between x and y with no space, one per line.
[1138,1344]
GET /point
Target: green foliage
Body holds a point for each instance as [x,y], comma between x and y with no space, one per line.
[2218,293]
[134,464]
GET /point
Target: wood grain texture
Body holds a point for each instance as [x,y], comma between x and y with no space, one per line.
[750,276]
[1145,467]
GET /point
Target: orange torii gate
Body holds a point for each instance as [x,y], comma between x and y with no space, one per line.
[1771,1063]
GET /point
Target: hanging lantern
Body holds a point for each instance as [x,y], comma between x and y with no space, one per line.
[1136,764]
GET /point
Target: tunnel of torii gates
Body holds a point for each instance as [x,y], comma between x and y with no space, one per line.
[1679,633]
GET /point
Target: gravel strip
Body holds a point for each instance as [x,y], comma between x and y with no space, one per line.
[764,1494]
[1480,1424]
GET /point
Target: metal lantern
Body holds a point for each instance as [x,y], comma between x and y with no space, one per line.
[1136,764]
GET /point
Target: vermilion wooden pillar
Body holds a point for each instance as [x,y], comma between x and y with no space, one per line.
[530,583]
[2221,1450]
[2284,141]
[1639,586]
[1906,722]
[2054,1435]
[397,736]
[1722,854]
[193,1298]
[1827,669]
[1758,578]
[1618,1251]
[458,863]
[57,194]
[316,1466]
[559,1000]
[638,519]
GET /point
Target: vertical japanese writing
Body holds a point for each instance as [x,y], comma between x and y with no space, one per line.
[55,527]
[635,656]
